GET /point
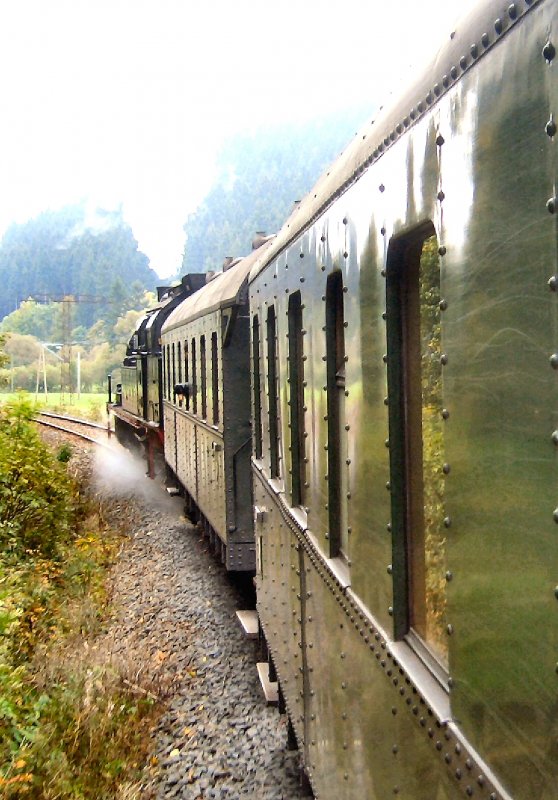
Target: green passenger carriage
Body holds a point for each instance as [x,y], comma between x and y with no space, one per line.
[206,402]
[404,357]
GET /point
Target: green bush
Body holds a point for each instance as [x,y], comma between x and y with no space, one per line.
[64,453]
[36,508]
[70,726]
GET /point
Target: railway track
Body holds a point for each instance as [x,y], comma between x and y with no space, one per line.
[74,426]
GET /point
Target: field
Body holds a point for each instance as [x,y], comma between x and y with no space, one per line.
[89,405]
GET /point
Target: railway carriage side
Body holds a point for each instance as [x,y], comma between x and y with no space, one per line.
[206,379]
[193,417]
[403,345]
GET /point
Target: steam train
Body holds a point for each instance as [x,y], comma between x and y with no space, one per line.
[361,412]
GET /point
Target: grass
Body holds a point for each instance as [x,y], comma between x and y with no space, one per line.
[71,723]
[89,405]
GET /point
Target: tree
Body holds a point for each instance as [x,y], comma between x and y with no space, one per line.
[4,361]
[63,253]
[33,319]
[259,178]
[21,348]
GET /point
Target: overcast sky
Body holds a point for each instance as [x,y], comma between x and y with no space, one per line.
[127,101]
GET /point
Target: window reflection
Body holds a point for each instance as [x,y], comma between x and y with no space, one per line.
[428,541]
[337,447]
[417,445]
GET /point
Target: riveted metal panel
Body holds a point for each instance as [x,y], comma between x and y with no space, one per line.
[182,454]
[344,240]
[385,751]
[170,436]
[235,349]
[153,378]
[211,479]
[500,393]
[187,471]
[279,599]
[130,377]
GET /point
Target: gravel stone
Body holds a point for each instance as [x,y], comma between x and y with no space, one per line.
[174,632]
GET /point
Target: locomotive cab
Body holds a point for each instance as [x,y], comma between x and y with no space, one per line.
[139,409]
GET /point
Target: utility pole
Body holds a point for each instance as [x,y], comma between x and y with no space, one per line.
[66,363]
[41,363]
[67,301]
[45,348]
[78,375]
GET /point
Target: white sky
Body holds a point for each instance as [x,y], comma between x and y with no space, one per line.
[128,100]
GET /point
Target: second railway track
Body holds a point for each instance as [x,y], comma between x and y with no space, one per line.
[80,428]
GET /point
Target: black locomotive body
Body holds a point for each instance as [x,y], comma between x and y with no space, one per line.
[401,336]
[138,384]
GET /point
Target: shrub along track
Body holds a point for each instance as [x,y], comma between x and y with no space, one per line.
[173,636]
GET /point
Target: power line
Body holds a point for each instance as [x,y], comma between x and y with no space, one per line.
[67,300]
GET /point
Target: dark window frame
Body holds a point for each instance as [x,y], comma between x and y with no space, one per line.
[257,388]
[164,370]
[215,378]
[272,390]
[295,366]
[187,374]
[335,384]
[194,392]
[168,372]
[173,373]
[203,376]
[407,409]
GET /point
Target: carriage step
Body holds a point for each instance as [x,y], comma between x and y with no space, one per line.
[249,623]
[173,491]
[270,689]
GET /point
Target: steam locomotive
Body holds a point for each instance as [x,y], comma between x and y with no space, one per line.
[361,412]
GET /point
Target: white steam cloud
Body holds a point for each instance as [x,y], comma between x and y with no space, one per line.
[119,473]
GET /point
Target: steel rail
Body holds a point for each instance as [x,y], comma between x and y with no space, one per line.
[66,418]
[71,432]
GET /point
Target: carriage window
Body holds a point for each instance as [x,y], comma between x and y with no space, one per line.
[194,392]
[336,435]
[257,388]
[215,378]
[272,391]
[203,376]
[168,375]
[164,370]
[179,362]
[296,399]
[186,374]
[417,441]
[173,374]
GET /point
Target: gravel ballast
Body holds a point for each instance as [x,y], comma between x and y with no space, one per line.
[174,634]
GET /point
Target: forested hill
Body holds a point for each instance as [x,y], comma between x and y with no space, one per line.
[259,178]
[71,252]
